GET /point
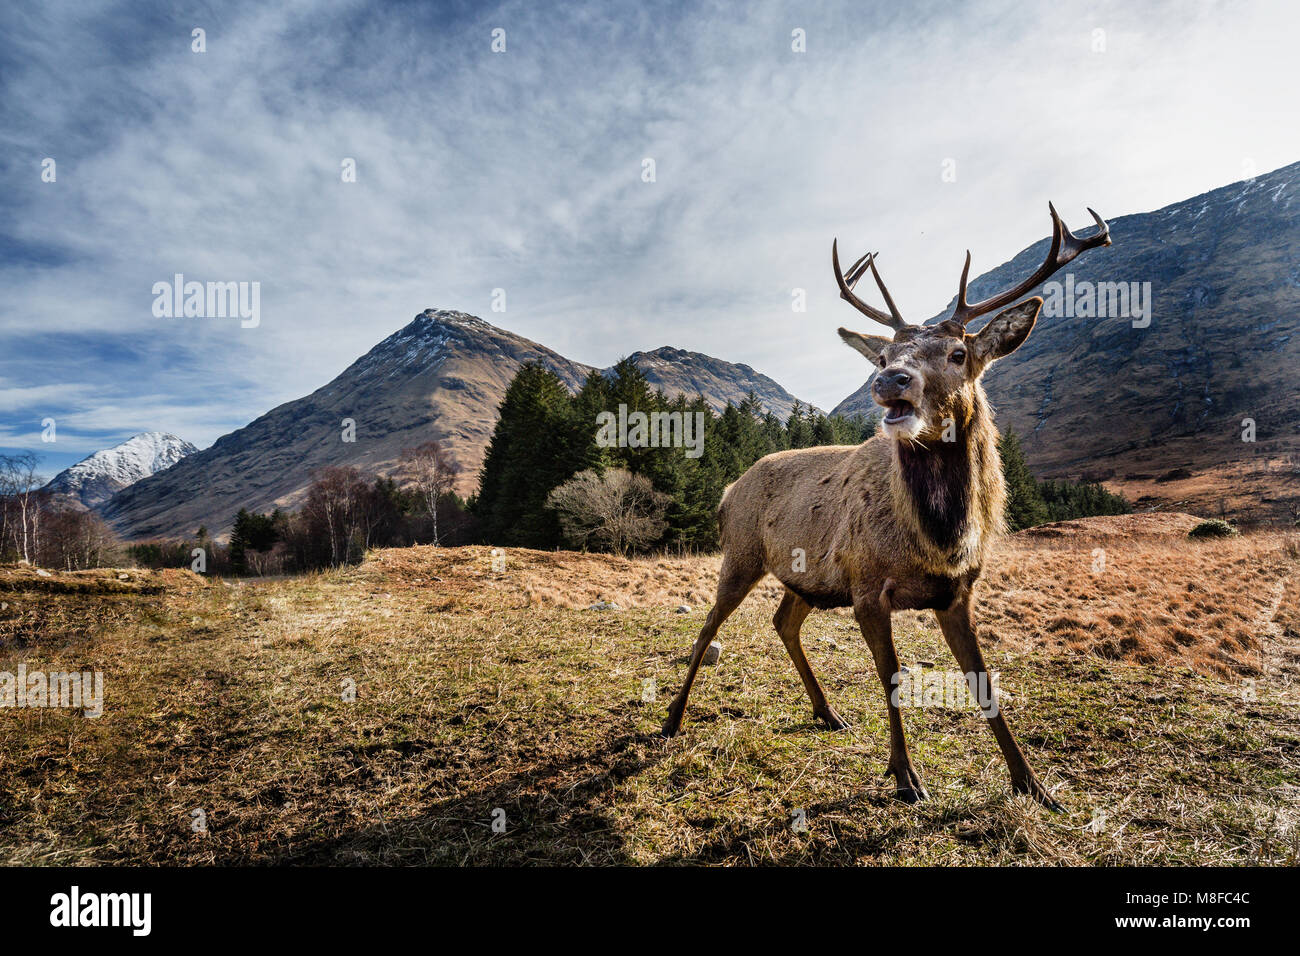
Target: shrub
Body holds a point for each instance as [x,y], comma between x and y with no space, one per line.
[1213,528]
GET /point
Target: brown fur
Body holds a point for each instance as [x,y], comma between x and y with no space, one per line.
[903,521]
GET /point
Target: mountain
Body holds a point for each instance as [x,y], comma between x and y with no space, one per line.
[95,479]
[441,377]
[674,371]
[1158,411]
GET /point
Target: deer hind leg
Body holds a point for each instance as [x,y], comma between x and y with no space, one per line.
[735,581]
[959,631]
[876,628]
[789,618]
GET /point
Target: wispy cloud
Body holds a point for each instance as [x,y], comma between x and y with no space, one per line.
[522,170]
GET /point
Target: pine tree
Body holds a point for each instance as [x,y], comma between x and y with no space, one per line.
[239,542]
[798,427]
[1025,506]
[529,454]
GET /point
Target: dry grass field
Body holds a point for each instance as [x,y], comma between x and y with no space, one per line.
[1157,694]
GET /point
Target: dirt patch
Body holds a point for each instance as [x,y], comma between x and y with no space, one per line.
[22,577]
[1155,525]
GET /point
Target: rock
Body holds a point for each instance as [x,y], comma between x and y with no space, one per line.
[604,606]
[712,653]
[43,573]
[683,609]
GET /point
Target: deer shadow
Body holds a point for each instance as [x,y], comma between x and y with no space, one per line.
[729,844]
[549,813]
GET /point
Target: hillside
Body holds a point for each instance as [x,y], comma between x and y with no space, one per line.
[1096,397]
[675,371]
[441,377]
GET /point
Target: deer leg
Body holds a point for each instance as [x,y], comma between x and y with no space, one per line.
[789,618]
[875,624]
[959,631]
[735,581]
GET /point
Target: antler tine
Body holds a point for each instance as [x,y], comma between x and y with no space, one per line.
[892,319]
[856,270]
[889,299]
[1066,246]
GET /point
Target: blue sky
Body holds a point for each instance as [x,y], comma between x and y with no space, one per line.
[522,170]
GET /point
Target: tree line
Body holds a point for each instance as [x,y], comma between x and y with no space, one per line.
[344,514]
[547,482]
[1031,502]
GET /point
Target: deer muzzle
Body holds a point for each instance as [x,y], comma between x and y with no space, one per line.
[895,390]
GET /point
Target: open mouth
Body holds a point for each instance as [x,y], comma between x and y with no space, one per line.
[898,411]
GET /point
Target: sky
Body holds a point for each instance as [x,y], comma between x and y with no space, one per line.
[914,129]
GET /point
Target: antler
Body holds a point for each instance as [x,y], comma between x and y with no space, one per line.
[1065,247]
[893,319]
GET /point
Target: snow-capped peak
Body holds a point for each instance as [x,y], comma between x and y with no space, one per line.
[98,477]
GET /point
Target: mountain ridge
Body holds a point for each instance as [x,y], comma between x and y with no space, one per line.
[442,376]
[1104,398]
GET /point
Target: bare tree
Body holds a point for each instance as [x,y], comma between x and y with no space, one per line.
[618,510]
[75,540]
[337,500]
[20,489]
[428,466]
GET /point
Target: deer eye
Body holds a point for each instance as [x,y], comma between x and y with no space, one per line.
[958,356]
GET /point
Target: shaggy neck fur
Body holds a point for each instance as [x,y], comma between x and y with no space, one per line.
[951,493]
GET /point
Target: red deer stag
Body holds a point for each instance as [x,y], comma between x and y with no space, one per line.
[904,520]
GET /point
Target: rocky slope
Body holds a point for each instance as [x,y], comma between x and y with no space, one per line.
[96,478]
[1097,396]
[674,371]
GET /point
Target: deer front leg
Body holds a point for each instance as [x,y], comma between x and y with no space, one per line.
[875,624]
[959,631]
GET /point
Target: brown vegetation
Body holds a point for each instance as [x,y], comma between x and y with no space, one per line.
[480,689]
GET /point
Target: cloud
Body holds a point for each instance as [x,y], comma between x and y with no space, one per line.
[522,171]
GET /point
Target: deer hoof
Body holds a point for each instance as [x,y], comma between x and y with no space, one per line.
[1036,790]
[910,788]
[832,720]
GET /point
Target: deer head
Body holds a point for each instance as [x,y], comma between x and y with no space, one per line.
[930,374]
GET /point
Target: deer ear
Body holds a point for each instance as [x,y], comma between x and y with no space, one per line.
[869,345]
[1007,330]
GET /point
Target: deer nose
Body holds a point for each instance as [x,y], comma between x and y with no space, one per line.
[893,378]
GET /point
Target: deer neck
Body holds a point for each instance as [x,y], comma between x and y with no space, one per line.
[949,493]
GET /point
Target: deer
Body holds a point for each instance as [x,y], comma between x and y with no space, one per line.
[904,521]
